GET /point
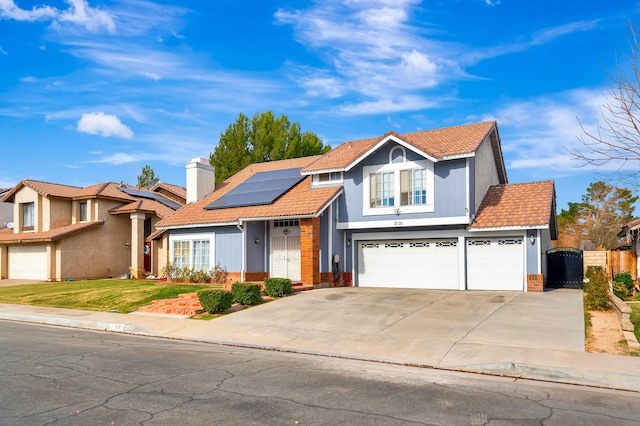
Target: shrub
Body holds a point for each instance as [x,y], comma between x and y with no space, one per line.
[620,290]
[592,270]
[215,300]
[246,293]
[277,287]
[625,278]
[200,277]
[596,295]
[218,275]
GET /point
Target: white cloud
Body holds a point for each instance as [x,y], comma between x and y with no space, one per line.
[79,12]
[151,76]
[381,106]
[117,159]
[540,132]
[4,52]
[99,123]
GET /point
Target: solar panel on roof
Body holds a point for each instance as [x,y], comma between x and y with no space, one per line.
[151,196]
[260,189]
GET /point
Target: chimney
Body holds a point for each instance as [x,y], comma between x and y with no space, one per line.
[201,179]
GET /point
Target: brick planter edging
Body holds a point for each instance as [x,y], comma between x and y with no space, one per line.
[624,313]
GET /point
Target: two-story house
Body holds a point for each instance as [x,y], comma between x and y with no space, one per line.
[430,209]
[62,232]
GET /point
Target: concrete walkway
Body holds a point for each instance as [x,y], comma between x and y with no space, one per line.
[529,335]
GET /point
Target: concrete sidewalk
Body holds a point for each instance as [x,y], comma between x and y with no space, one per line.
[528,335]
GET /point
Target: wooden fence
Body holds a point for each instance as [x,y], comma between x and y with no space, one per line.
[613,262]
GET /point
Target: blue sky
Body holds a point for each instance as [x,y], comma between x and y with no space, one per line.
[91,91]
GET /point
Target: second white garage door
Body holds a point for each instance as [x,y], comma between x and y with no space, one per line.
[28,262]
[429,263]
[495,263]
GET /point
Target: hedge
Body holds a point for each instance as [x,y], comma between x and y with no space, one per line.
[246,293]
[277,287]
[215,300]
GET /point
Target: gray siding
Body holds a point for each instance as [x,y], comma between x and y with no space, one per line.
[450,187]
[229,248]
[255,252]
[324,241]
[532,252]
[338,239]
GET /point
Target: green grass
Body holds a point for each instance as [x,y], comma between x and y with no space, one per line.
[635,318]
[121,296]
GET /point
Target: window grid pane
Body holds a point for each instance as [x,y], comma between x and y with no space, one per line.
[181,253]
[27,215]
[201,255]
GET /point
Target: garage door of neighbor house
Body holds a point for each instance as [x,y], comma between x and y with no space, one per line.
[428,263]
[28,262]
[495,263]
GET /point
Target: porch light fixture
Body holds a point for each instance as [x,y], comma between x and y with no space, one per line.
[348,242]
[397,211]
[532,238]
[257,240]
[126,245]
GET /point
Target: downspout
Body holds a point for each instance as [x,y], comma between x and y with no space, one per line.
[244,254]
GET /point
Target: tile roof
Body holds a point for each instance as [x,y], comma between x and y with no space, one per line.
[178,191]
[518,205]
[104,190]
[143,205]
[301,200]
[438,144]
[9,237]
[46,189]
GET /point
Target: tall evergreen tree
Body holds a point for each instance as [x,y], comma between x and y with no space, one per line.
[263,138]
[147,177]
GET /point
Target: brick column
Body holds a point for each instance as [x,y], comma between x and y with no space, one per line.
[310,250]
[535,282]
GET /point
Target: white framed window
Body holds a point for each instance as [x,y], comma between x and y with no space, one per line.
[28,216]
[192,251]
[326,179]
[84,211]
[398,187]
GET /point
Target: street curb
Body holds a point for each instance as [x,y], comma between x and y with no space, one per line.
[516,370]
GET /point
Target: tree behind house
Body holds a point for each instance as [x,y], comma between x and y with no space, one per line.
[147,177]
[263,138]
[598,217]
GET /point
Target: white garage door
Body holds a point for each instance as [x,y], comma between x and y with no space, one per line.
[495,263]
[28,262]
[432,263]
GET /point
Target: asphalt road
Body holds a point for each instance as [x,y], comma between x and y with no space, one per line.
[58,376]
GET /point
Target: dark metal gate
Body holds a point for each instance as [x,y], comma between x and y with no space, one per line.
[564,268]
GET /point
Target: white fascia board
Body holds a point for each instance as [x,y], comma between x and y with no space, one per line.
[382,142]
[509,228]
[262,218]
[405,223]
[200,225]
[458,156]
[317,172]
[408,235]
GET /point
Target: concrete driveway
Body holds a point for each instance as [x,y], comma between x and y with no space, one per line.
[425,327]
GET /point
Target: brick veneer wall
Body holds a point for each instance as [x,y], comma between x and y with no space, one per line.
[310,250]
[535,282]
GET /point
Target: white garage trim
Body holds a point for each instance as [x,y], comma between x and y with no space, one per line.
[28,262]
[495,263]
[414,263]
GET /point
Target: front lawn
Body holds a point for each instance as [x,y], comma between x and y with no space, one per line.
[121,296]
[635,318]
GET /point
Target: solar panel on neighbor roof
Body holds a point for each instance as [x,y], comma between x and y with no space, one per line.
[260,189]
[151,196]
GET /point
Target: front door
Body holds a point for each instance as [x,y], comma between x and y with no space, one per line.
[285,249]
[285,257]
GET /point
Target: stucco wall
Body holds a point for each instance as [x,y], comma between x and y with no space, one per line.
[99,252]
[27,195]
[59,213]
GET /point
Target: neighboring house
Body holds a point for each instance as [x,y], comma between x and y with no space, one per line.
[430,209]
[65,232]
[6,209]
